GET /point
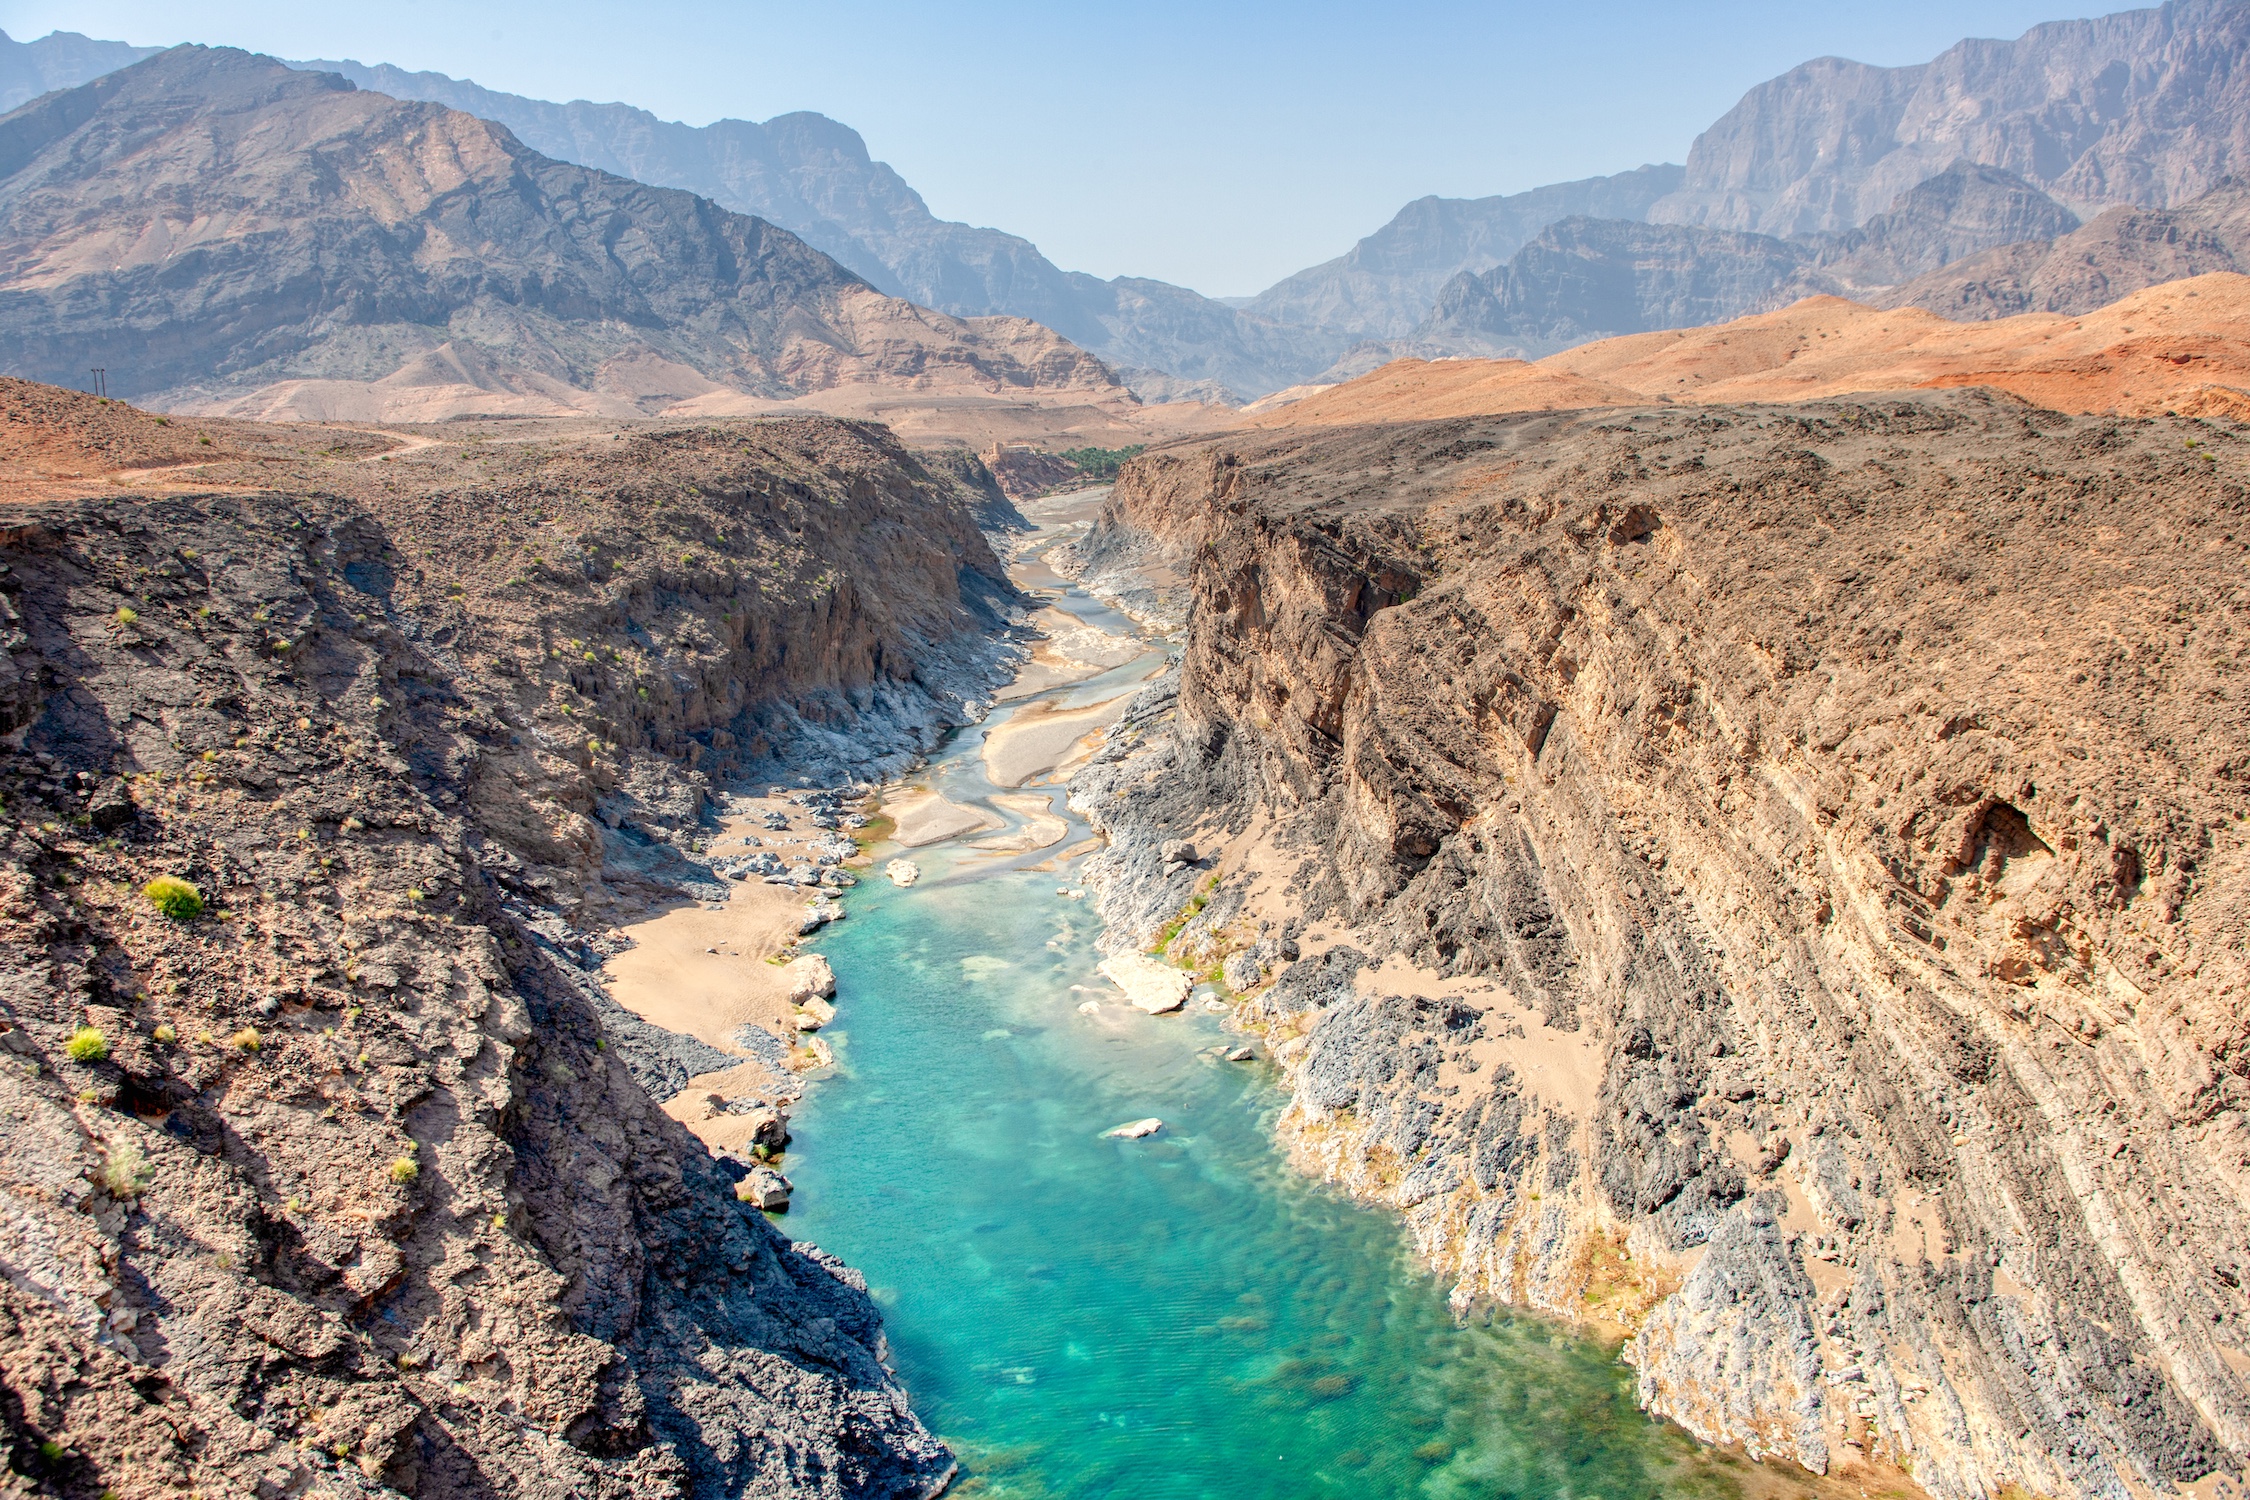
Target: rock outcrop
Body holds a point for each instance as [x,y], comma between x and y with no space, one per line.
[339,1174]
[1771,879]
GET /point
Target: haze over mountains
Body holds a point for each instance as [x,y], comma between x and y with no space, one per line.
[1836,177]
[226,233]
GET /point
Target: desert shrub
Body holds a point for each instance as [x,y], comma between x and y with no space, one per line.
[174,897]
[166,1033]
[87,1045]
[405,1170]
[126,614]
[247,1039]
[126,1171]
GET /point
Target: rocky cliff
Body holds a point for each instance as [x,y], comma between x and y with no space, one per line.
[2145,107]
[208,222]
[327,1168]
[1770,880]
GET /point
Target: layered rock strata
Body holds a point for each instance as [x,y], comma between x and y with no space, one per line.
[1774,880]
[335,1176]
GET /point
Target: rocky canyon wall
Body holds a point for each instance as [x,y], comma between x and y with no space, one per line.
[336,1179]
[1771,881]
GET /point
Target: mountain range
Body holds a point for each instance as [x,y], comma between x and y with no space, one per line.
[1845,177]
[224,233]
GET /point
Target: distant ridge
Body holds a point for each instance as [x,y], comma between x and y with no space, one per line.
[224,233]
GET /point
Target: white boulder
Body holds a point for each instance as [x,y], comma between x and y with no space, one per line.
[1148,983]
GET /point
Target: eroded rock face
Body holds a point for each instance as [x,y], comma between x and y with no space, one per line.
[1774,877]
[359,1184]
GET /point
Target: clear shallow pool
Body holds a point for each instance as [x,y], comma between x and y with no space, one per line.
[1175,1317]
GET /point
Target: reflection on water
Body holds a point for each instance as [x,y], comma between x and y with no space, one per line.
[1180,1316]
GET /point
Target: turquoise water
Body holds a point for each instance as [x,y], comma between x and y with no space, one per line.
[1181,1316]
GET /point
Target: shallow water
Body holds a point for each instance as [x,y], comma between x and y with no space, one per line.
[1180,1316]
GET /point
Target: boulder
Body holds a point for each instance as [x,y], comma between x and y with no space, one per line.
[903,871]
[1176,852]
[1148,983]
[1134,1130]
[764,1188]
[1242,971]
[769,1128]
[813,1014]
[809,978]
[1241,1054]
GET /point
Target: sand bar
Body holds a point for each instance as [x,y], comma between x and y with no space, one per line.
[926,817]
[1039,737]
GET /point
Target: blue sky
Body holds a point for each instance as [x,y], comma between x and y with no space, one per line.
[1217,145]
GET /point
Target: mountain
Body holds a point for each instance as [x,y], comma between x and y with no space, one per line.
[2146,107]
[1587,278]
[1383,286]
[1584,278]
[2121,251]
[59,60]
[814,177]
[2149,107]
[209,224]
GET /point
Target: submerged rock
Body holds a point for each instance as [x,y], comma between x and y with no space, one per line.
[1241,1054]
[1136,1129]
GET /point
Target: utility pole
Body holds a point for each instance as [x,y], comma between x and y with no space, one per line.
[101,382]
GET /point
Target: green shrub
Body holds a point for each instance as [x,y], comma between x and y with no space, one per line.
[174,897]
[1100,463]
[126,614]
[87,1045]
[405,1170]
[126,1171]
[247,1039]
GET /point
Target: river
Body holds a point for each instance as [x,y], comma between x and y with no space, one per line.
[1180,1316]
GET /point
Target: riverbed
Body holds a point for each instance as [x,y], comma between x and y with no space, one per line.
[1179,1315]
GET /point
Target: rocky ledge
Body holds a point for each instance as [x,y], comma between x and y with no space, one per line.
[1773,881]
[324,1168]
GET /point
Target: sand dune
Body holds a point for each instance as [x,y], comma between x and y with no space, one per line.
[2183,346]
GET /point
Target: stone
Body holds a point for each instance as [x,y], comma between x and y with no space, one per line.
[1149,984]
[1177,852]
[903,872]
[1241,1054]
[813,1014]
[810,978]
[765,1189]
[1134,1130]
[1242,971]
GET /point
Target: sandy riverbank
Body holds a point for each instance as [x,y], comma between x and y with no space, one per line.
[707,970]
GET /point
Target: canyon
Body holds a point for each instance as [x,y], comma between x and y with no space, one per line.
[1673,791]
[1769,879]
[345,1173]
